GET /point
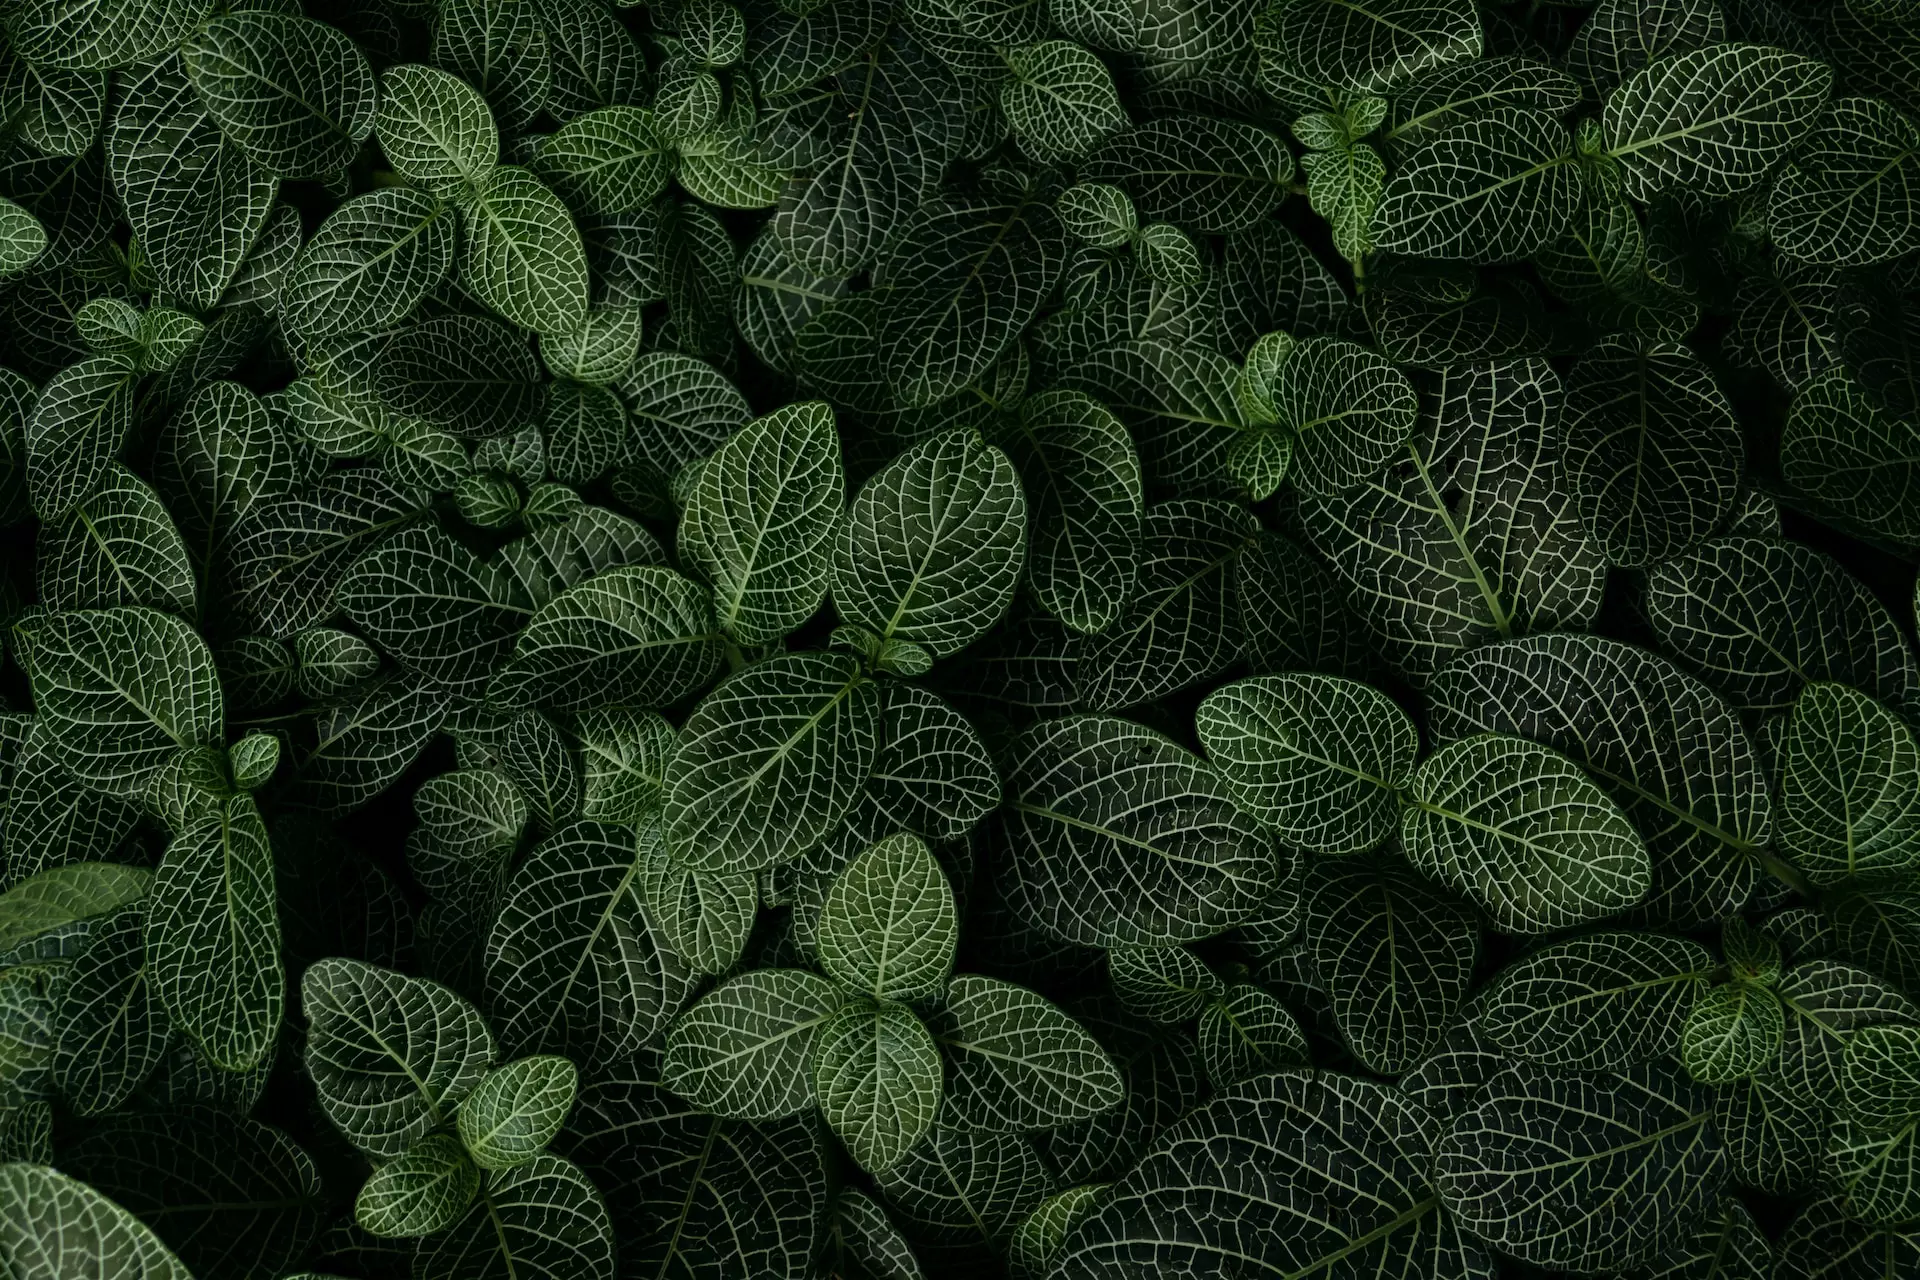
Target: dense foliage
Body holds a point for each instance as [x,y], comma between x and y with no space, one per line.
[1074,640]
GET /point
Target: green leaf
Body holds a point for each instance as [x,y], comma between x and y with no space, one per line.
[1317,758]
[370,263]
[22,239]
[1206,175]
[1876,1175]
[965,276]
[1714,121]
[1583,1172]
[195,200]
[1845,453]
[1357,1190]
[117,547]
[55,1223]
[1015,1061]
[1653,450]
[770,761]
[213,937]
[436,607]
[704,917]
[422,1192]
[1395,957]
[1366,47]
[542,1220]
[1825,1241]
[1493,189]
[1734,1031]
[759,520]
[1671,753]
[1060,100]
[609,161]
[888,927]
[122,689]
[1849,786]
[931,547]
[294,95]
[876,1073]
[522,255]
[500,47]
[1161,984]
[79,423]
[1082,476]
[220,456]
[638,635]
[1344,186]
[681,408]
[392,1056]
[1880,1077]
[1247,1032]
[1350,411]
[436,129]
[1120,837]
[112,1030]
[515,1111]
[1851,192]
[1521,831]
[62,896]
[1758,618]
[1601,1002]
[744,1051]
[624,758]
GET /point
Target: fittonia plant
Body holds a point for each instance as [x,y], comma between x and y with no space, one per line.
[829,639]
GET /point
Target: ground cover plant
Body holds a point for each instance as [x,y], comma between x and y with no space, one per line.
[1072,640]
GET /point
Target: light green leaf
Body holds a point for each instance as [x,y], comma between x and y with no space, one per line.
[1849,786]
[61,896]
[745,1050]
[638,635]
[420,1193]
[54,1224]
[522,255]
[436,129]
[22,239]
[759,519]
[295,95]
[1494,189]
[888,927]
[876,1073]
[1714,121]
[516,1110]
[391,1056]
[1733,1032]
[1060,100]
[370,263]
[1521,831]
[1016,1062]
[609,161]
[1319,759]
[122,689]
[213,937]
